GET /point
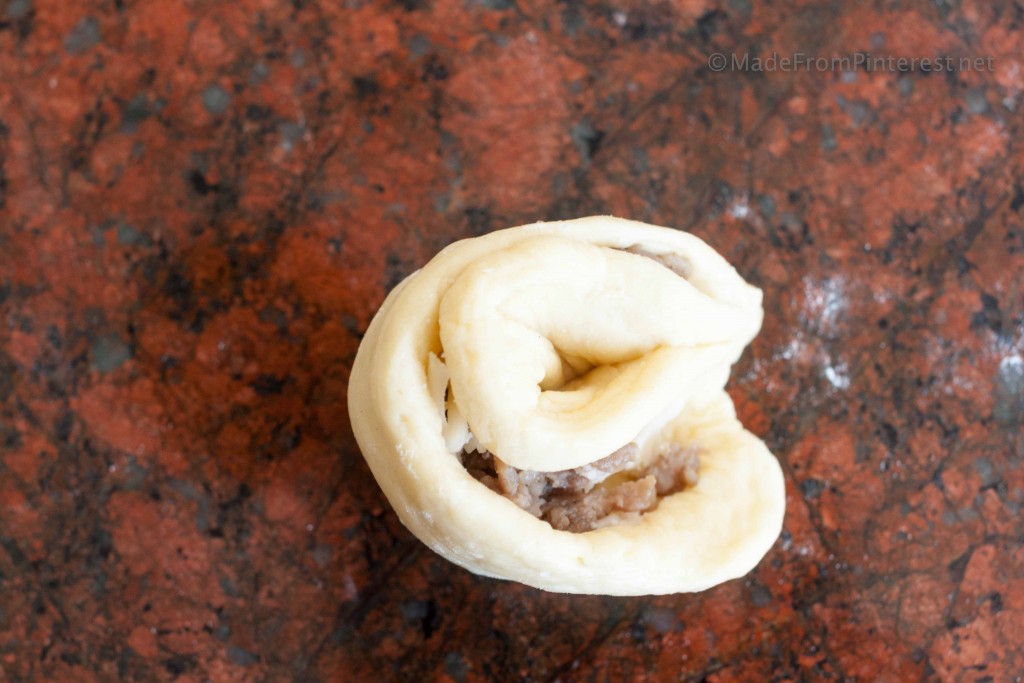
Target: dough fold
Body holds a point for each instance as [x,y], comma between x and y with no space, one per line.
[551,346]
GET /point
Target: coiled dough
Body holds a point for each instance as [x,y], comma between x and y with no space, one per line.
[559,346]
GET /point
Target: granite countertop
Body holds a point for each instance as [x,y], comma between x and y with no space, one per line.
[202,205]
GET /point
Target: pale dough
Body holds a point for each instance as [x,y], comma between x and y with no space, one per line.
[560,348]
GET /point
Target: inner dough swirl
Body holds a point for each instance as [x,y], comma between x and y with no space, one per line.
[544,349]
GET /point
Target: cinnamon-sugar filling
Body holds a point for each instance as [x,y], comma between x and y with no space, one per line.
[591,496]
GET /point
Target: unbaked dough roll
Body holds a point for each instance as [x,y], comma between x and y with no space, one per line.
[549,350]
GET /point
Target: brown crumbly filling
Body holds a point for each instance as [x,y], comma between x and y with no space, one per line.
[570,500]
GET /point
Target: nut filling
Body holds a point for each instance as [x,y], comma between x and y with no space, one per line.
[592,496]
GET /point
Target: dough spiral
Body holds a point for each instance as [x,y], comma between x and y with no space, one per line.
[551,346]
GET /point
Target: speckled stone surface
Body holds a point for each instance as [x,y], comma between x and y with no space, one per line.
[202,205]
